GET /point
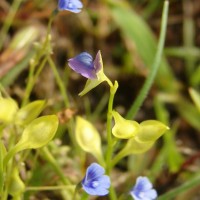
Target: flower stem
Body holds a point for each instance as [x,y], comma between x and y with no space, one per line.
[47,155]
[59,81]
[109,123]
[8,20]
[47,188]
[45,48]
[117,158]
[113,89]
[149,81]
[78,187]
[32,79]
[194,181]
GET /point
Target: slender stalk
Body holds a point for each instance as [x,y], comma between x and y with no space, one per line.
[48,188]
[149,81]
[84,196]
[66,100]
[109,127]
[7,181]
[117,158]
[59,81]
[1,167]
[32,79]
[77,189]
[8,168]
[10,155]
[8,21]
[194,181]
[75,192]
[48,156]
[45,48]
[113,89]
[112,193]
[188,35]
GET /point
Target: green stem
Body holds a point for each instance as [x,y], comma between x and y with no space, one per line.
[112,193]
[117,158]
[35,61]
[48,156]
[1,166]
[7,182]
[8,166]
[9,155]
[32,80]
[188,35]
[75,192]
[59,81]
[193,182]
[113,90]
[3,91]
[8,20]
[47,188]
[84,196]
[149,81]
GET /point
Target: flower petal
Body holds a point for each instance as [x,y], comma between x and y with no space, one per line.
[71,5]
[94,182]
[83,64]
[94,171]
[98,187]
[104,181]
[143,183]
[152,194]
[98,63]
[143,189]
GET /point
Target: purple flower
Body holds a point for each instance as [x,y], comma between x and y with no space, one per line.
[71,5]
[143,190]
[95,182]
[84,65]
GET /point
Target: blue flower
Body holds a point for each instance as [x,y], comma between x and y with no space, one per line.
[143,190]
[71,5]
[84,65]
[95,182]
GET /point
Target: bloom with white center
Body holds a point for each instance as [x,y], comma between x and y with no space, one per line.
[143,190]
[95,182]
[70,5]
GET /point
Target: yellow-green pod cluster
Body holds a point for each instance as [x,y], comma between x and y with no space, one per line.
[140,137]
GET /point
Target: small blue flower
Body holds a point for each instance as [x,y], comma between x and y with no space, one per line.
[143,189]
[71,5]
[84,65]
[95,182]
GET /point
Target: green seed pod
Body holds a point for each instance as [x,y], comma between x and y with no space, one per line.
[88,137]
[124,129]
[39,132]
[29,112]
[36,135]
[151,130]
[8,109]
[135,146]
